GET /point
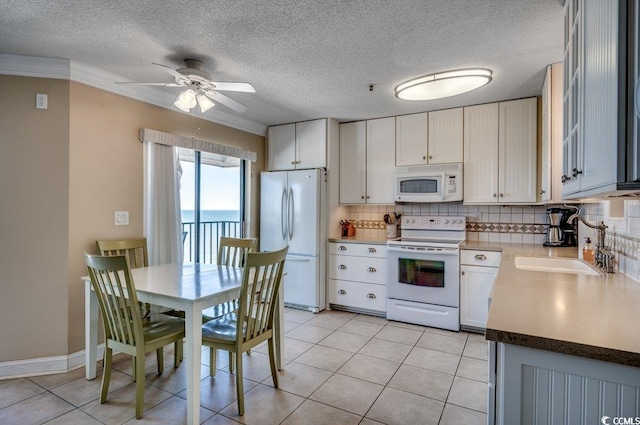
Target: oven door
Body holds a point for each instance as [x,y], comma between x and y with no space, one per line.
[426,275]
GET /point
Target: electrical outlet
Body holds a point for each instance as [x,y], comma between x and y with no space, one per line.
[121,218]
[42,101]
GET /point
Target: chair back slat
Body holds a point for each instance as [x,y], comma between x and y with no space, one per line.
[112,282]
[134,249]
[233,251]
[261,279]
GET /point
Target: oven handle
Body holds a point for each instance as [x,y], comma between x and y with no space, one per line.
[414,252]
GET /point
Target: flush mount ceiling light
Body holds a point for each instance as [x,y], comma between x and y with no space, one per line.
[443,84]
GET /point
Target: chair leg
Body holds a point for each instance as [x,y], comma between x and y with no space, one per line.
[177,351]
[231,362]
[106,374]
[160,360]
[239,386]
[212,361]
[133,367]
[272,361]
[139,385]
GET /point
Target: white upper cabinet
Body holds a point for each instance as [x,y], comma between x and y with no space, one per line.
[282,147]
[481,154]
[429,138]
[550,168]
[353,162]
[297,146]
[446,131]
[367,158]
[381,134]
[517,151]
[311,144]
[500,152]
[411,139]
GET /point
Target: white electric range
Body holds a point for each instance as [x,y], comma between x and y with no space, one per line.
[424,271]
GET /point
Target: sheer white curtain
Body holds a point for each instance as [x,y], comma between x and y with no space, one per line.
[162,221]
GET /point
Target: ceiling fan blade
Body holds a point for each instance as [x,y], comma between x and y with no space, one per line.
[152,84]
[179,77]
[226,101]
[227,86]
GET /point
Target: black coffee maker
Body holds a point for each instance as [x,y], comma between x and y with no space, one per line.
[560,232]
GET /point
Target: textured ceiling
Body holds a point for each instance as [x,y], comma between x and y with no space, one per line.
[306,59]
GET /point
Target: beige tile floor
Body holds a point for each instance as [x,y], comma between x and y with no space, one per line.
[341,368]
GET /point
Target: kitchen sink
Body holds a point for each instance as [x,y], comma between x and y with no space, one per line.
[558,265]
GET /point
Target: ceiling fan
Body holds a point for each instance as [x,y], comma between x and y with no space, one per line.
[200,89]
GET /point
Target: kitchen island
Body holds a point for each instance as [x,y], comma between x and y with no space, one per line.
[564,347]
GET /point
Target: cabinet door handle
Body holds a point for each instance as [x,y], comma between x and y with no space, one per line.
[362,197]
[372,250]
[430,157]
[368,196]
[342,248]
[462,273]
[494,195]
[502,195]
[565,178]
[575,172]
[542,192]
[293,162]
[424,157]
[342,292]
[372,296]
[480,257]
[342,267]
[371,269]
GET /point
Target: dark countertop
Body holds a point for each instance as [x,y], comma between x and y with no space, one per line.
[587,316]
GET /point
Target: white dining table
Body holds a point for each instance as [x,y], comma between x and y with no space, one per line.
[192,288]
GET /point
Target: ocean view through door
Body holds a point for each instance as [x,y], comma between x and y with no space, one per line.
[211,194]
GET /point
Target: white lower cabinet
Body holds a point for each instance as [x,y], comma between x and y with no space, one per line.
[478,272]
[536,386]
[358,276]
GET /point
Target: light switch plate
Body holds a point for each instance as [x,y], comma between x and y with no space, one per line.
[121,218]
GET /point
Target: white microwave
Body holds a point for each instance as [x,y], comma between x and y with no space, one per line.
[428,183]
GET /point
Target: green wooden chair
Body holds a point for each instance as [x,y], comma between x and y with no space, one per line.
[124,328]
[252,322]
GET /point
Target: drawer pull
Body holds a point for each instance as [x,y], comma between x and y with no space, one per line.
[371,269]
[480,257]
[372,250]
[342,248]
[462,273]
[342,267]
[342,292]
[372,296]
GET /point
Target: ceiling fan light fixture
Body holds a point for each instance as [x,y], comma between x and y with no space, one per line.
[186,100]
[443,84]
[204,102]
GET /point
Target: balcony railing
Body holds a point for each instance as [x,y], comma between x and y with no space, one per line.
[210,233]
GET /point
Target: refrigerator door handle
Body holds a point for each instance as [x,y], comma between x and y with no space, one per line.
[283,209]
[291,213]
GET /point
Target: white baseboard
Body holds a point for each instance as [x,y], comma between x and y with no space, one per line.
[44,365]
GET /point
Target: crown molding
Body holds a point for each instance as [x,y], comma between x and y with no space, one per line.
[29,66]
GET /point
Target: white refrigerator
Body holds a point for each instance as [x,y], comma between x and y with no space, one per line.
[293,213]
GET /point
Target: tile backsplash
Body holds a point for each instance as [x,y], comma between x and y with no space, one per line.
[622,234]
[516,224]
[487,223]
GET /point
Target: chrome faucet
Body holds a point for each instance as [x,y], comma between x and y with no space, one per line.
[603,255]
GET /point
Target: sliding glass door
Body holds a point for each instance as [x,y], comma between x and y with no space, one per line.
[211,200]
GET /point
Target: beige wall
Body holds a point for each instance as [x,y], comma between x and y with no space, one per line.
[64,172]
[34,218]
